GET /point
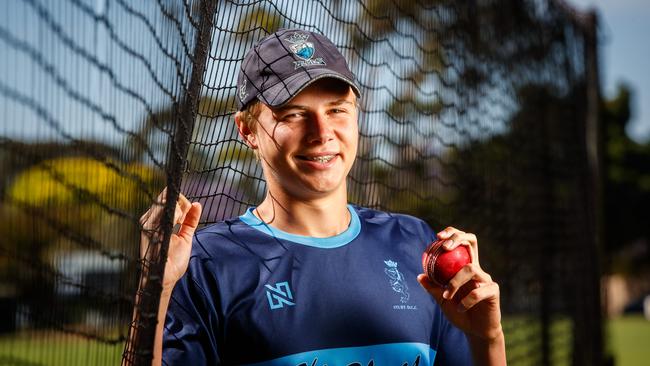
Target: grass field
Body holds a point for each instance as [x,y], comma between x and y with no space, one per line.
[629,340]
[35,349]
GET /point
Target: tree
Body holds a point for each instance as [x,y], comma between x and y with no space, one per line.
[626,187]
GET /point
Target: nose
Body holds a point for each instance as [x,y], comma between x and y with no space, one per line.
[320,129]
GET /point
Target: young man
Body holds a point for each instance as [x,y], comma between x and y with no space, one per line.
[305,278]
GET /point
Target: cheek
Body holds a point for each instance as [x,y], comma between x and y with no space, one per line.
[352,137]
[275,147]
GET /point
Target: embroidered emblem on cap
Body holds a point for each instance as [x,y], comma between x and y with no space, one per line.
[304,50]
[242,90]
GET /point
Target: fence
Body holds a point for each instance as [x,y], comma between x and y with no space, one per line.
[479,114]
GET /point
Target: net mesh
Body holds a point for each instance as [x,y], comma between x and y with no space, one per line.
[474,114]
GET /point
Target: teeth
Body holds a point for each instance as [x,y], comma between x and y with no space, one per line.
[322,159]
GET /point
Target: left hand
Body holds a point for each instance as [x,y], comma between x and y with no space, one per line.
[471,299]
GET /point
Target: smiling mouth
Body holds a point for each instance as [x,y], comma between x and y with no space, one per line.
[320,159]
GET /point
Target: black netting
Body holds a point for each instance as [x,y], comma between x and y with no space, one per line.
[474,114]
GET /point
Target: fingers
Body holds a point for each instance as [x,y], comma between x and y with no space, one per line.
[150,220]
[190,222]
[464,297]
[183,205]
[453,238]
[447,232]
[470,272]
[481,292]
[471,282]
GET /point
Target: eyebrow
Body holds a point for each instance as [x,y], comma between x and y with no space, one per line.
[340,101]
[302,107]
[289,106]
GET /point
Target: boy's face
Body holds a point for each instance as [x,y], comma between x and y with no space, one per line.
[308,146]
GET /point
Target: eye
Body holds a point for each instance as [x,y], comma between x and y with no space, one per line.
[293,116]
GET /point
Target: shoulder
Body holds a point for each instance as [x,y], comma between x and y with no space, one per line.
[394,223]
[226,257]
[377,215]
[226,247]
[226,238]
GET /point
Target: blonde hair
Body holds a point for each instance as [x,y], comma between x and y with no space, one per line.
[249,115]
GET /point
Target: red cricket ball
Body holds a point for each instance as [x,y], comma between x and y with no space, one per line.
[441,265]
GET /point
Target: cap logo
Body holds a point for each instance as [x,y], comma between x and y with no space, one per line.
[304,50]
[242,91]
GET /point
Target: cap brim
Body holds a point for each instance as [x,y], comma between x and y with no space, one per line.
[280,94]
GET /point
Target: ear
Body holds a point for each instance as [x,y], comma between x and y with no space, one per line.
[245,132]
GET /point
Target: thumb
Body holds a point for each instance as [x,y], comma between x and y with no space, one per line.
[191,222]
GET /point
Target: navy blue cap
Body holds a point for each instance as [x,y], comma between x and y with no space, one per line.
[284,63]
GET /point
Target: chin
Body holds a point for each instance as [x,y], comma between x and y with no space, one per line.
[323,186]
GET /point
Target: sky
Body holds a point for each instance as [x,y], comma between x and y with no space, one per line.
[624,55]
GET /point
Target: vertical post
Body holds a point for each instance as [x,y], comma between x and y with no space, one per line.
[547,259]
[593,147]
[141,337]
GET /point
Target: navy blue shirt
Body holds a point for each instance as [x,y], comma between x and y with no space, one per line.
[253,294]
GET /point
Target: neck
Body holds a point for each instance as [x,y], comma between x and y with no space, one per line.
[319,218]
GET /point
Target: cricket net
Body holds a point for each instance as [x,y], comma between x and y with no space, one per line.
[478,114]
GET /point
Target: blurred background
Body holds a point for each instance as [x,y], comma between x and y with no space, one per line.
[625,81]
[526,121]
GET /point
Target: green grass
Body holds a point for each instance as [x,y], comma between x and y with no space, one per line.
[33,349]
[523,342]
[629,340]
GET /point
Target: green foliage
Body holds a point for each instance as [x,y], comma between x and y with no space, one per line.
[259,17]
[146,140]
[404,185]
[384,23]
[411,107]
[627,162]
[71,203]
[78,180]
[626,177]
[210,107]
